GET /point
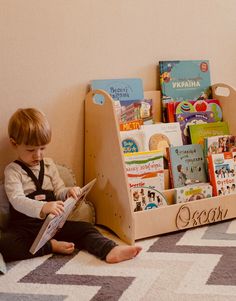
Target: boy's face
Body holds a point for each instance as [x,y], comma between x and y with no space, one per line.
[30,155]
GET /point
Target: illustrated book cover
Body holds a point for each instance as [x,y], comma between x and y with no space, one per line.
[146,198]
[219,144]
[188,118]
[136,110]
[131,125]
[198,132]
[53,224]
[155,97]
[221,168]
[183,80]
[192,192]
[159,136]
[132,141]
[186,165]
[121,89]
[190,106]
[144,111]
[145,169]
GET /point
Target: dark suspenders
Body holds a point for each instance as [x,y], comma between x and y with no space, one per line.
[39,193]
[38,182]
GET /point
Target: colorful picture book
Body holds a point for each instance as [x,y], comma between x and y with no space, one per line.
[144,198]
[136,110]
[190,106]
[122,89]
[186,165]
[159,136]
[144,111]
[222,169]
[219,144]
[155,97]
[183,80]
[132,141]
[131,125]
[145,169]
[198,132]
[192,192]
[188,118]
[53,224]
[151,137]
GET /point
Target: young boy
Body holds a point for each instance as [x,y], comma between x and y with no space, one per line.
[35,189]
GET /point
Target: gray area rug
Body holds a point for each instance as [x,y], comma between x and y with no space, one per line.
[197,264]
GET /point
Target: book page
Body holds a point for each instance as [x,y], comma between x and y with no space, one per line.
[53,223]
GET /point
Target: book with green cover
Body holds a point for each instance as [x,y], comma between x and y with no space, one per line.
[198,132]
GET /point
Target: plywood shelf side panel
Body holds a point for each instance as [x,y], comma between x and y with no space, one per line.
[227,97]
[104,160]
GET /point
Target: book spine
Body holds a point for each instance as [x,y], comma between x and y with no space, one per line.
[205,147]
[212,175]
[170,167]
[170,107]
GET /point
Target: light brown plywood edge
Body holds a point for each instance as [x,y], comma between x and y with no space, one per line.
[104,160]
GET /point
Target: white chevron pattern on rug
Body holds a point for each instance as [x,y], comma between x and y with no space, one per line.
[183,266]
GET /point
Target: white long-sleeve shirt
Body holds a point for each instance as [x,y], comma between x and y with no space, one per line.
[18,184]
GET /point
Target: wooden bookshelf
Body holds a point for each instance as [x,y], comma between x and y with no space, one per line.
[110,196]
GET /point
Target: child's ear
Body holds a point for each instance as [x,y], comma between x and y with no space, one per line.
[13,142]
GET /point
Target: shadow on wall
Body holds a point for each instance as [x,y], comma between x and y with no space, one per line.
[65,112]
[6,155]
[66,116]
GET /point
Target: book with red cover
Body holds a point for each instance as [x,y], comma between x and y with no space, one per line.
[221,169]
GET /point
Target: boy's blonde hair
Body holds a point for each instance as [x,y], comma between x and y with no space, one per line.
[30,127]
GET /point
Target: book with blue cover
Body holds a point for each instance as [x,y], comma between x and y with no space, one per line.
[184,80]
[122,89]
[186,165]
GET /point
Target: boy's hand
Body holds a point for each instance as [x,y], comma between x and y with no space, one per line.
[56,208]
[74,192]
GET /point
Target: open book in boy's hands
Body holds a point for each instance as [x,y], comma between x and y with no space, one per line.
[53,223]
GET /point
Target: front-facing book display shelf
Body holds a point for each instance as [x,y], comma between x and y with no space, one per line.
[104,160]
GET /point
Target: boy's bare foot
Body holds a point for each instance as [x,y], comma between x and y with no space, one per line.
[121,253]
[62,247]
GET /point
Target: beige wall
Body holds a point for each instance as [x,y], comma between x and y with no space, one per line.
[51,49]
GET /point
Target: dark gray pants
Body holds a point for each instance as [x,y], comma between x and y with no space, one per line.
[16,241]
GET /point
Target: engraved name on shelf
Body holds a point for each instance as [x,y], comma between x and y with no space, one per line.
[187,217]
